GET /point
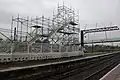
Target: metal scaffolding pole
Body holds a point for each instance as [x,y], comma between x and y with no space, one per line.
[62,28]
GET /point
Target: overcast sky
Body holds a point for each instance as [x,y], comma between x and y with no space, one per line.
[91,12]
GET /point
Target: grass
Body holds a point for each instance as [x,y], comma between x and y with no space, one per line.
[101,50]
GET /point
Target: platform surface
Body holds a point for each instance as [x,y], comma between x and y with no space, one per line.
[114,74]
[14,68]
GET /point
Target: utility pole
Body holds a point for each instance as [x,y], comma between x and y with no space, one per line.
[92,46]
[82,40]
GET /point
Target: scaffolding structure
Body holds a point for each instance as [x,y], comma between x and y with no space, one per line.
[57,34]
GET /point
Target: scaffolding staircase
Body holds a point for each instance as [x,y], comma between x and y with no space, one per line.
[53,31]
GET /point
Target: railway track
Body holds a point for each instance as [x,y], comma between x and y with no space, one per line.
[98,74]
[90,71]
[84,69]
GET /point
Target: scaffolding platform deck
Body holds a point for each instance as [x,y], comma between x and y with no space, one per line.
[67,32]
[37,26]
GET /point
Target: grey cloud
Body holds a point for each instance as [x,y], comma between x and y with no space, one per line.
[91,11]
[5,17]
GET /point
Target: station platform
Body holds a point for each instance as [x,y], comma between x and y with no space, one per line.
[4,66]
[33,64]
[114,74]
